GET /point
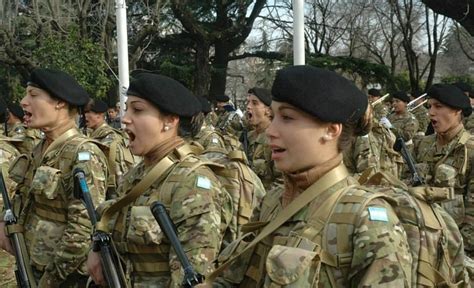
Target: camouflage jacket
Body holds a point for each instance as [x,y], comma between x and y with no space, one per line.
[210,140]
[199,207]
[380,111]
[451,165]
[404,125]
[229,123]
[260,158]
[122,159]
[8,152]
[57,226]
[421,114]
[29,137]
[469,123]
[379,255]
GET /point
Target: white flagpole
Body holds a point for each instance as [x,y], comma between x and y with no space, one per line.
[122,49]
[298,32]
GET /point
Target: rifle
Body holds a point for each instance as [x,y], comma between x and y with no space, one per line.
[191,278]
[101,240]
[23,272]
[244,139]
[401,147]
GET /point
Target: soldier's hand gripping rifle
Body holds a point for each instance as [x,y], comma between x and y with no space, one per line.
[101,240]
[191,278]
[23,273]
[402,148]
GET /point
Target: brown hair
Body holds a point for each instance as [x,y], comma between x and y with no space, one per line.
[352,129]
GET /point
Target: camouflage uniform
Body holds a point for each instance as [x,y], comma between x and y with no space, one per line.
[30,137]
[119,163]
[374,151]
[421,114]
[198,205]
[229,123]
[260,158]
[56,224]
[380,110]
[378,250]
[210,140]
[469,123]
[452,165]
[405,125]
[7,262]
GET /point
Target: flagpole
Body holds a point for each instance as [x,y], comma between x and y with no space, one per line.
[122,50]
[298,32]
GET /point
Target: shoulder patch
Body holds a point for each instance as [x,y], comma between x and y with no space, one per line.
[378,214]
[203,182]
[214,140]
[84,156]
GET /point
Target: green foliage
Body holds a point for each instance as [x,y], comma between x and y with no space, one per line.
[182,73]
[369,72]
[77,56]
[401,82]
[460,78]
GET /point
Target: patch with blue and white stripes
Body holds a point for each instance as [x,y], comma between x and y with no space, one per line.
[84,156]
[203,182]
[378,214]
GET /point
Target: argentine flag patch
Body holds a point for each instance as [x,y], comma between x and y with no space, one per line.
[84,156]
[378,214]
[203,182]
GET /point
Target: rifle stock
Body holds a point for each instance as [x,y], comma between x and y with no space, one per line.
[23,272]
[101,240]
[402,148]
[191,278]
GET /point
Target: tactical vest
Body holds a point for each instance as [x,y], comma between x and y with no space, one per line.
[148,252]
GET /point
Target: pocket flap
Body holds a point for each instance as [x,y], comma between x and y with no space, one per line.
[46,181]
[285,265]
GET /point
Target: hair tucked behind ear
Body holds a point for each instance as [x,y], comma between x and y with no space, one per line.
[352,129]
[190,126]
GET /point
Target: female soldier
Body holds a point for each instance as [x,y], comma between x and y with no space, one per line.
[56,225]
[159,113]
[322,229]
[447,157]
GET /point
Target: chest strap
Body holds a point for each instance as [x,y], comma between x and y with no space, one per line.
[334,176]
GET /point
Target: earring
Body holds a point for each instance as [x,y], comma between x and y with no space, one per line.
[166,128]
[57,107]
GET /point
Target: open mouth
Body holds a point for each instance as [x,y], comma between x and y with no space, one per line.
[131,135]
[249,115]
[27,116]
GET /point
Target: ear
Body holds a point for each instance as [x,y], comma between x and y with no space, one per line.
[61,104]
[333,131]
[170,122]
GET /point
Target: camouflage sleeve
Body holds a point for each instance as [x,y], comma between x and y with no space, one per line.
[74,244]
[196,213]
[381,254]
[363,155]
[408,130]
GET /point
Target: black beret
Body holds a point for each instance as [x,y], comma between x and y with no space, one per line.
[205,104]
[16,110]
[401,95]
[451,96]
[60,85]
[222,98]
[99,106]
[321,93]
[166,93]
[374,92]
[262,94]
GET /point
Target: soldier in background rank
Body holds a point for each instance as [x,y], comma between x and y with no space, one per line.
[421,114]
[29,137]
[402,122]
[119,157]
[159,113]
[446,158]
[380,110]
[229,121]
[259,116]
[57,228]
[319,245]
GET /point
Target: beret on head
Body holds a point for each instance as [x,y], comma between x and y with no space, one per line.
[98,106]
[451,96]
[222,98]
[60,85]
[262,94]
[374,92]
[165,93]
[401,95]
[321,93]
[205,104]
[16,110]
